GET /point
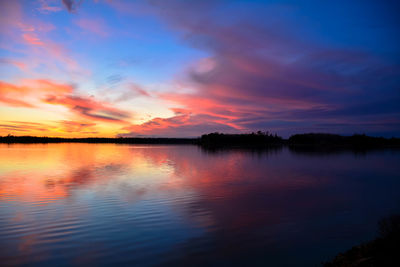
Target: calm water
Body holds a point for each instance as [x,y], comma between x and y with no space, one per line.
[103,204]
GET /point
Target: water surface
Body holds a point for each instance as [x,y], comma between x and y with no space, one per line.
[108,204]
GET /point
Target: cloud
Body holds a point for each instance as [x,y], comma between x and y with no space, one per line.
[44,51]
[72,5]
[14,102]
[45,85]
[138,90]
[96,26]
[11,95]
[19,64]
[261,73]
[115,78]
[32,39]
[53,128]
[32,92]
[25,93]
[11,127]
[89,108]
[47,7]
[135,8]
[78,127]
[183,124]
[37,48]
[133,90]
[11,14]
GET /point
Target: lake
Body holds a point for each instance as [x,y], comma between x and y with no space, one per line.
[150,205]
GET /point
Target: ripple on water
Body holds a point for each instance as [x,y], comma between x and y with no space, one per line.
[132,205]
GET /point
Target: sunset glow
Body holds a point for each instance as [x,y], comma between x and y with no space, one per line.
[185,68]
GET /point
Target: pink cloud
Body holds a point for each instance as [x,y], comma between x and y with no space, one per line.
[263,77]
[138,90]
[96,26]
[16,63]
[183,123]
[19,28]
[11,17]
[48,6]
[32,39]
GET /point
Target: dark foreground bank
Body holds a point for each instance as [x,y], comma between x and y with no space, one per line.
[383,251]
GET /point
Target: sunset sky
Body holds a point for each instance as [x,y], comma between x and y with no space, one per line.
[178,68]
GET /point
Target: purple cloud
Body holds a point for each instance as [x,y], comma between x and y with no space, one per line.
[265,75]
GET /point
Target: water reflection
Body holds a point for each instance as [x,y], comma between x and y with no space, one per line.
[150,205]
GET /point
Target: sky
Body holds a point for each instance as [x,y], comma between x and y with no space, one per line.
[175,68]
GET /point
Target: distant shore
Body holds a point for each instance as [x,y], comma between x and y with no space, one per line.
[99,140]
[220,140]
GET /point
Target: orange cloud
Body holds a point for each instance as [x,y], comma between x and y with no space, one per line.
[48,86]
[85,111]
[10,95]
[80,127]
[58,94]
[24,127]
[49,128]
[22,95]
[15,102]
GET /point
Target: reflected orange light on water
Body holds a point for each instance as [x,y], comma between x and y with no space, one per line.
[43,173]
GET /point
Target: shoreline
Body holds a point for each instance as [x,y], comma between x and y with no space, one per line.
[259,140]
